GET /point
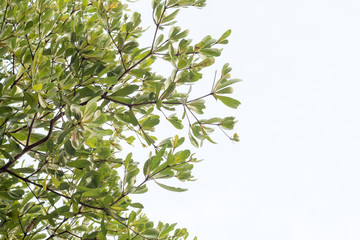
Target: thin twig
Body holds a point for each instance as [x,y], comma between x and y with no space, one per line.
[30,147]
[30,130]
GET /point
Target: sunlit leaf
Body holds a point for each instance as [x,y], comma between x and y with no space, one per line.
[173,189]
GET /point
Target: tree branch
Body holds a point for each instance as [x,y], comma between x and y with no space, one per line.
[28,148]
[30,130]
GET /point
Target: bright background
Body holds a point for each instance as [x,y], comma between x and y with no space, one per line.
[295,173]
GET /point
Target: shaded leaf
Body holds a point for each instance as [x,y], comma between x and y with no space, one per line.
[79,164]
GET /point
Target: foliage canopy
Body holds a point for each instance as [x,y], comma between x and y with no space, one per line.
[75,89]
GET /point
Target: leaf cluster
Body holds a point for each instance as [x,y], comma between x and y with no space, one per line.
[76,89]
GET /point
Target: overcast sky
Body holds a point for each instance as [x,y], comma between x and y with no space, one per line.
[294,175]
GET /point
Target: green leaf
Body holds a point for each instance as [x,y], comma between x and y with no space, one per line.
[151,121]
[211,52]
[197,106]
[154,163]
[60,4]
[170,159]
[125,91]
[132,216]
[169,90]
[140,73]
[103,153]
[79,164]
[235,137]
[75,140]
[116,216]
[212,120]
[4,50]
[226,90]
[61,137]
[7,155]
[175,121]
[91,141]
[170,17]
[140,190]
[37,87]
[39,236]
[193,140]
[183,176]
[128,117]
[95,193]
[136,205]
[130,139]
[182,156]
[206,62]
[178,141]
[42,101]
[166,143]
[109,80]
[228,123]
[226,70]
[150,233]
[31,99]
[76,112]
[24,170]
[173,189]
[62,210]
[224,36]
[90,108]
[5,111]
[120,41]
[230,102]
[103,226]
[129,47]
[55,181]
[224,83]
[133,120]
[44,183]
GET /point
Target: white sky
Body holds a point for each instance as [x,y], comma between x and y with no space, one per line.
[295,173]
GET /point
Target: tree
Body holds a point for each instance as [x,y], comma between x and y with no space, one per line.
[76,90]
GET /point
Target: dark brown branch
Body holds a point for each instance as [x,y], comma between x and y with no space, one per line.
[27,39]
[69,233]
[19,142]
[148,137]
[108,212]
[193,100]
[127,70]
[16,81]
[30,130]
[112,39]
[57,228]
[25,126]
[67,197]
[193,115]
[3,21]
[30,147]
[49,189]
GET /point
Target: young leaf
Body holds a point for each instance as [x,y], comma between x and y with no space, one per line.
[224,36]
